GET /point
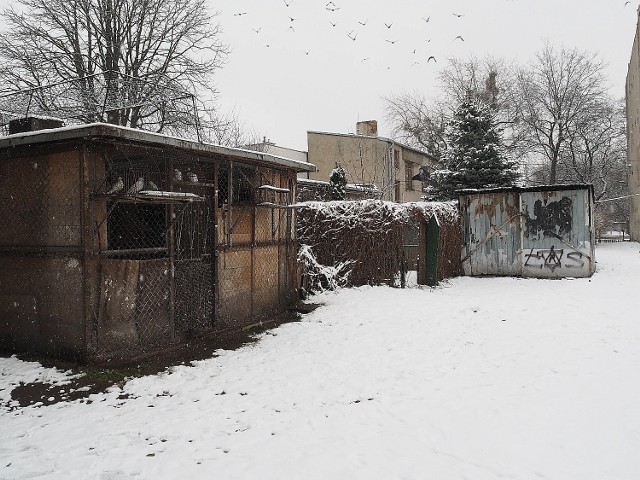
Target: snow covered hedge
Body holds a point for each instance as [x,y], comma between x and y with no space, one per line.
[369,235]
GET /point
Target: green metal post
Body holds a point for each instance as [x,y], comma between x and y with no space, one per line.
[432,251]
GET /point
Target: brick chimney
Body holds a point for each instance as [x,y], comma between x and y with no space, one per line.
[31,124]
[368,128]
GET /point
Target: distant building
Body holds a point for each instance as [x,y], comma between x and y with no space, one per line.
[267,146]
[368,159]
[633,135]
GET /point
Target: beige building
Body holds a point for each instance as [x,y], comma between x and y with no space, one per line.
[633,135]
[369,160]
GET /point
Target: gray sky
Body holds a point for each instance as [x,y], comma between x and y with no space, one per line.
[315,76]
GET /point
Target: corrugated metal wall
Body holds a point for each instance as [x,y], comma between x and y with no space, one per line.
[545,233]
[491,234]
[556,239]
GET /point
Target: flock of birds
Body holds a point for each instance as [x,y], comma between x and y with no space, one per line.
[354,29]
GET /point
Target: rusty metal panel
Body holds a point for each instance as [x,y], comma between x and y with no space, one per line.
[491,233]
[557,239]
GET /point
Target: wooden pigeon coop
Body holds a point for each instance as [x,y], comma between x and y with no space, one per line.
[117,242]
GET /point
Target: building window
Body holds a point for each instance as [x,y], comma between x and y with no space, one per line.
[396,159]
[397,192]
[408,174]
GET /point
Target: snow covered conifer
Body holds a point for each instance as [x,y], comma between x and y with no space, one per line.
[474,157]
[337,183]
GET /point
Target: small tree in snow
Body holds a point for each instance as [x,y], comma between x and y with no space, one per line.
[337,183]
[474,157]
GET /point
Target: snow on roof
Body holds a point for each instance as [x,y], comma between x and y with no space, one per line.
[75,132]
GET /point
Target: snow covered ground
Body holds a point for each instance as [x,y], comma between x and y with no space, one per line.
[482,378]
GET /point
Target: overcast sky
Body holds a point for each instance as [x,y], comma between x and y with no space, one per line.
[285,76]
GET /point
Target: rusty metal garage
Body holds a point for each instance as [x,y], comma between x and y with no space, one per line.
[543,231]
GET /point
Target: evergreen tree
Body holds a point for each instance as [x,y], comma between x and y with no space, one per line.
[337,183]
[474,156]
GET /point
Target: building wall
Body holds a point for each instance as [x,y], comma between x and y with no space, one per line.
[364,159]
[368,160]
[633,135]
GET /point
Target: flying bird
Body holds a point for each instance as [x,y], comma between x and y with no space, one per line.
[427,19]
[291,28]
[388,25]
[239,14]
[352,37]
[458,15]
[363,23]
[391,41]
[292,19]
[257,30]
[307,52]
[432,58]
[459,37]
[331,7]
[287,3]
[332,24]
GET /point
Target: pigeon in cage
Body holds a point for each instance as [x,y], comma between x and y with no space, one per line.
[151,186]
[136,187]
[117,186]
[177,175]
[192,177]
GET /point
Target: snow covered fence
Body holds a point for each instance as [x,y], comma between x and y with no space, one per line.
[370,235]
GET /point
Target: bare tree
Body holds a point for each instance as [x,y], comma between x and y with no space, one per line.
[139,63]
[228,130]
[417,123]
[596,150]
[552,96]
[421,122]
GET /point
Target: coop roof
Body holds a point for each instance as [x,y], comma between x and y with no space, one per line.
[103,130]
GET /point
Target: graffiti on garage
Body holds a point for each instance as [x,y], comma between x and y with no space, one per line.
[552,220]
[553,258]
